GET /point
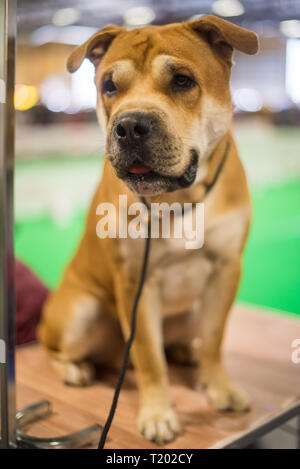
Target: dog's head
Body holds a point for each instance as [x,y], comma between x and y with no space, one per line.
[163,96]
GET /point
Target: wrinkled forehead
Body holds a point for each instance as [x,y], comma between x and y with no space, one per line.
[155,48]
[160,66]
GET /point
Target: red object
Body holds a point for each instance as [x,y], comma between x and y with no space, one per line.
[139,168]
[31,294]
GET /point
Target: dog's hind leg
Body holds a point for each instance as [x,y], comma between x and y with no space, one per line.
[72,373]
[182,354]
[181,345]
[77,331]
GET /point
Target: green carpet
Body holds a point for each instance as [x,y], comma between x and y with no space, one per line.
[271,261]
[272,258]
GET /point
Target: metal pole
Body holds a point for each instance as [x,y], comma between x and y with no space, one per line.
[7,323]
[11,434]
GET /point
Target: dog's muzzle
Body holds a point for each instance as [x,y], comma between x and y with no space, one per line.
[144,154]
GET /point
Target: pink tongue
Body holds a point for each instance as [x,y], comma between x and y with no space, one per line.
[139,168]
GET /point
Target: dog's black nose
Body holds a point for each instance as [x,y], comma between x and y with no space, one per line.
[133,127]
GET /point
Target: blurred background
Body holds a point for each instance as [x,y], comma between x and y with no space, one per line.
[60,148]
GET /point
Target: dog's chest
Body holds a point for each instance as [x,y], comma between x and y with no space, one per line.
[180,275]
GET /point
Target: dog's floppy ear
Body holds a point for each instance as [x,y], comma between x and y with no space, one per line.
[226,36]
[94,48]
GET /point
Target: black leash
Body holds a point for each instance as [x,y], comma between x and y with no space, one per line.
[127,348]
[134,313]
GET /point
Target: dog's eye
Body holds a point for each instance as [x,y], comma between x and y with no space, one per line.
[182,82]
[108,87]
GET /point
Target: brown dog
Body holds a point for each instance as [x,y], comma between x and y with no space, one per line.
[164,100]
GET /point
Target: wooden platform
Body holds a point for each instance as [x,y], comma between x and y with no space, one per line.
[258,356]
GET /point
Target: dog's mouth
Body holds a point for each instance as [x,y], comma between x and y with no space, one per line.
[144,180]
[139,168]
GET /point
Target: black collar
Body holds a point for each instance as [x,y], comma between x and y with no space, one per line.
[208,186]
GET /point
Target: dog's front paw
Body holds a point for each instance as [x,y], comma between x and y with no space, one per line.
[226,396]
[158,424]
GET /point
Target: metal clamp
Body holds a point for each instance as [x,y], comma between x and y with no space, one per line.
[41,410]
